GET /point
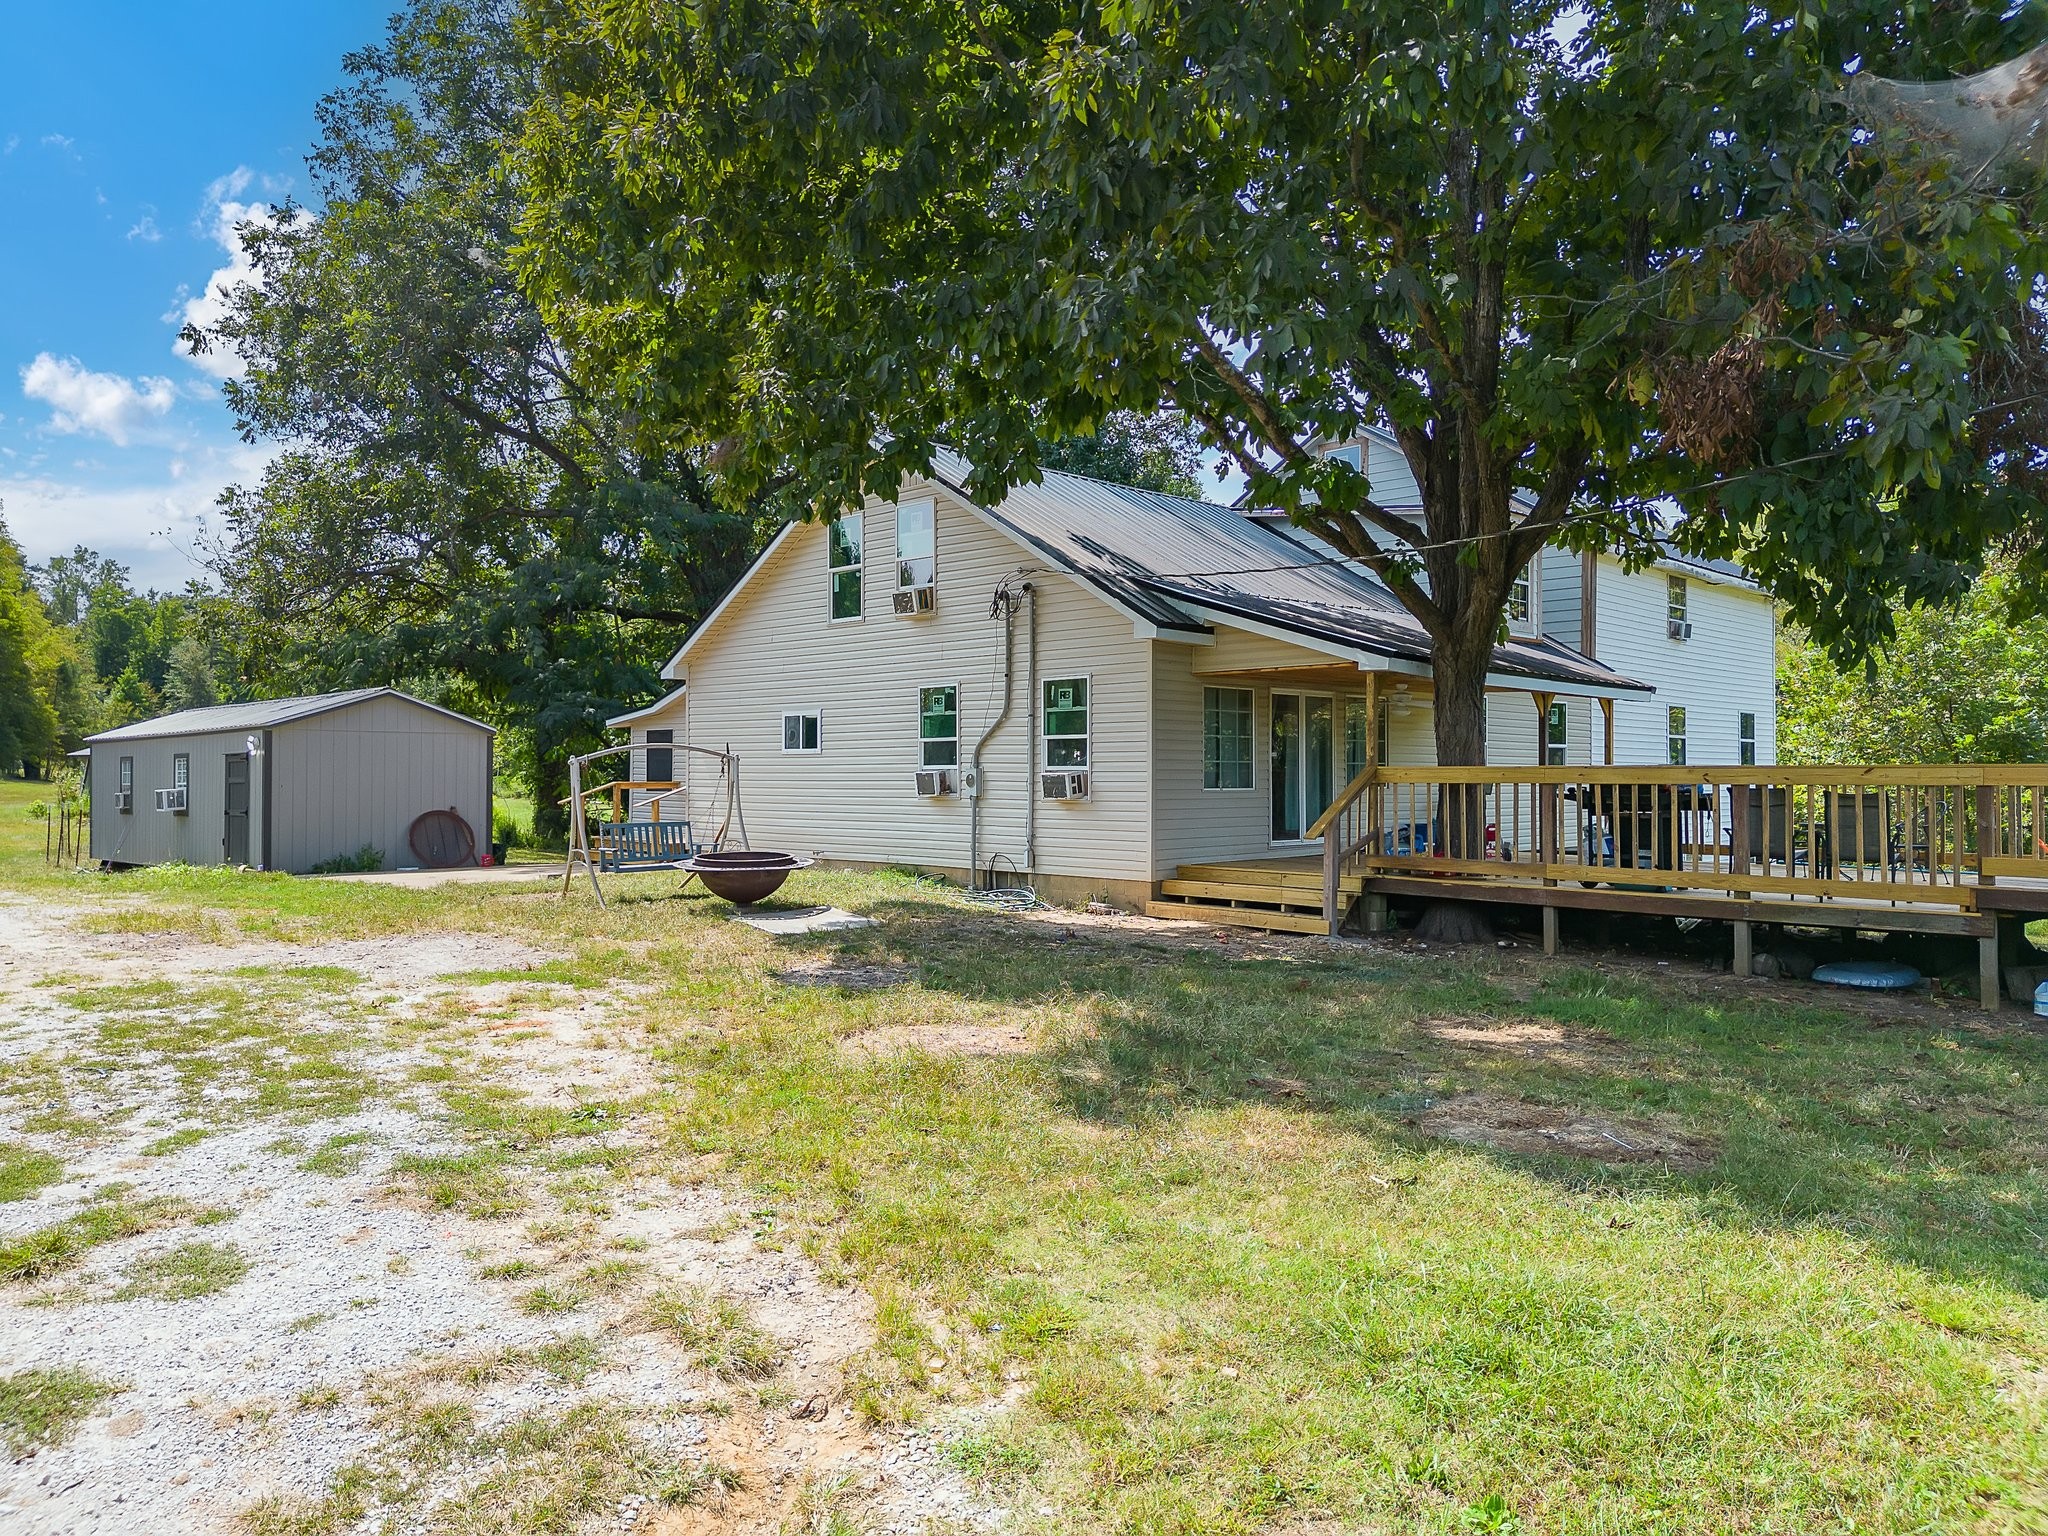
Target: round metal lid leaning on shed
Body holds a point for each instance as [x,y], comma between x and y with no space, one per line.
[441,840]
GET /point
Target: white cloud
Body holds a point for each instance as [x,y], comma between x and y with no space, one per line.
[109,404]
[221,213]
[13,143]
[145,230]
[56,141]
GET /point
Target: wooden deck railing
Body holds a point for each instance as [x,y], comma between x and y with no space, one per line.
[1929,834]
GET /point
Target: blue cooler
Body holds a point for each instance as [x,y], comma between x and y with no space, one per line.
[2041,1001]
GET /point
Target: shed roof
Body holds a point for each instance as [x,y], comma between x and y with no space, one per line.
[262,714]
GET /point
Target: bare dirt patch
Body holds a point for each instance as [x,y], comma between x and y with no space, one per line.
[1531,1039]
[1540,1130]
[853,978]
[939,1040]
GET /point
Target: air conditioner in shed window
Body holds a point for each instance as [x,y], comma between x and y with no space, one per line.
[124,799]
[1065,784]
[933,782]
[170,800]
[912,600]
[1678,629]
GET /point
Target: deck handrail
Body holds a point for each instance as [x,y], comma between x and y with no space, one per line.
[1917,833]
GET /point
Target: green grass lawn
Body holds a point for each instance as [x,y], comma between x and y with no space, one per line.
[1201,1213]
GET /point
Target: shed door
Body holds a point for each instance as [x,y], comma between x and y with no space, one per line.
[235,838]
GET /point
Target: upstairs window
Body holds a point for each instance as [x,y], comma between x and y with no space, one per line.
[916,544]
[802,731]
[1674,734]
[1556,736]
[1518,598]
[843,557]
[661,757]
[1745,740]
[1066,722]
[938,726]
[1227,738]
[1676,607]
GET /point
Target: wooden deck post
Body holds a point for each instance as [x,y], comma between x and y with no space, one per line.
[1550,930]
[1744,950]
[1375,910]
[1333,861]
[1607,717]
[1987,973]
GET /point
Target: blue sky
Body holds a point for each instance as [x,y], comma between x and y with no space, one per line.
[131,134]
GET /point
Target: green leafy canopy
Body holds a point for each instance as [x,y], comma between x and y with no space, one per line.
[1610,272]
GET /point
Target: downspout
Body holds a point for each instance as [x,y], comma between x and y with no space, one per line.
[1002,606]
[1031,729]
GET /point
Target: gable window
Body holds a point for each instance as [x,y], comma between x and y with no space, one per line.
[1556,735]
[1518,598]
[1745,740]
[661,757]
[916,544]
[938,727]
[843,557]
[1674,734]
[125,797]
[1227,738]
[1676,607]
[1066,722]
[801,731]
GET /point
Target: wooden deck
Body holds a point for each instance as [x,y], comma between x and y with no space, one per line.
[1948,849]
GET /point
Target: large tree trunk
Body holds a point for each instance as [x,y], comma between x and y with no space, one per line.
[1459,668]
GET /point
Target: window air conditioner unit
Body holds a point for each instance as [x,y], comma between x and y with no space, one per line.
[1678,629]
[914,600]
[932,782]
[1067,784]
[171,800]
[124,799]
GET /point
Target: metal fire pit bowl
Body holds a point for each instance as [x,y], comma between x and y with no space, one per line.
[744,876]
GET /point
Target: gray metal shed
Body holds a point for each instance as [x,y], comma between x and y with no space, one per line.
[286,784]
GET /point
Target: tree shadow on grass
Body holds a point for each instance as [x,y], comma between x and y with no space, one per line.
[1925,1135]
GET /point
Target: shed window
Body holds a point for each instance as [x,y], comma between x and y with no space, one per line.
[938,726]
[126,797]
[1556,735]
[181,783]
[801,732]
[1674,734]
[1745,740]
[843,557]
[661,757]
[1066,722]
[916,544]
[1227,738]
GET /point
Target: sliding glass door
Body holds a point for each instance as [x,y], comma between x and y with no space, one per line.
[1304,762]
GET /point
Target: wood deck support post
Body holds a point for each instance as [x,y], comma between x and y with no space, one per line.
[1988,831]
[1987,973]
[1744,949]
[1333,862]
[1607,719]
[1550,930]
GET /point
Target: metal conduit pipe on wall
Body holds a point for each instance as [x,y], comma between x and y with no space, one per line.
[1030,729]
[1002,606]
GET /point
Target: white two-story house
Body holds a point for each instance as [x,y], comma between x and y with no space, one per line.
[1089,686]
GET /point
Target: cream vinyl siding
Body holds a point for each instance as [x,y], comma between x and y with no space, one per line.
[1193,825]
[149,836]
[361,774]
[774,649]
[1728,667]
[670,719]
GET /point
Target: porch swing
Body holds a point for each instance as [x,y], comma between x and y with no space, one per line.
[626,843]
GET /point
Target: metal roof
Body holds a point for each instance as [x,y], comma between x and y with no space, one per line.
[1156,555]
[261,714]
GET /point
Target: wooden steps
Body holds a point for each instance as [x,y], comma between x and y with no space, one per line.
[1282,894]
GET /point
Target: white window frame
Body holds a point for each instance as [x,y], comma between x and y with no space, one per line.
[1557,734]
[1521,608]
[1677,599]
[125,785]
[1674,734]
[1251,741]
[817,717]
[1046,738]
[1745,738]
[924,741]
[859,569]
[904,581]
